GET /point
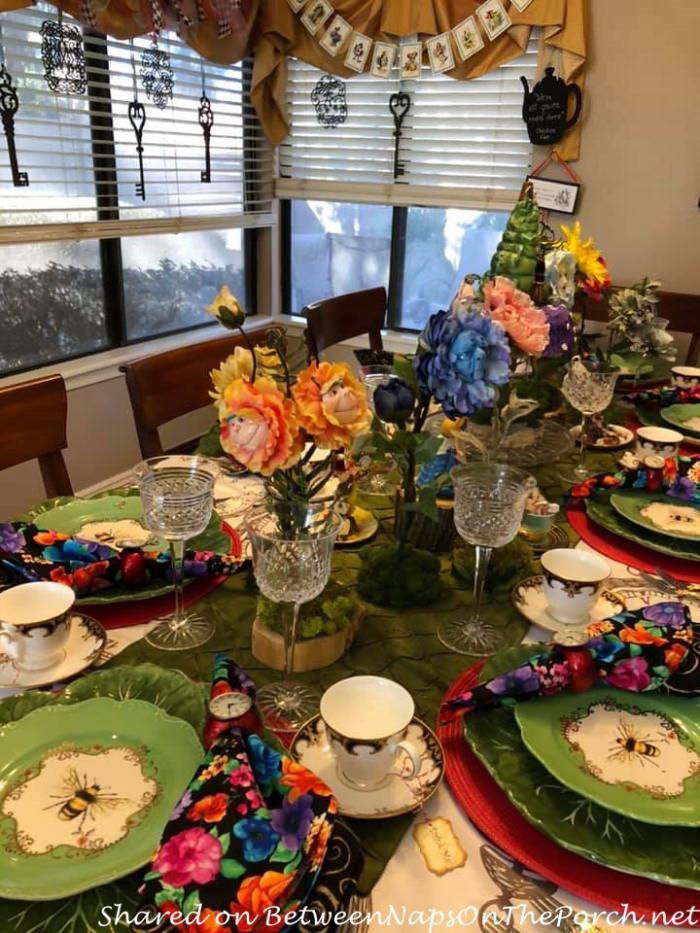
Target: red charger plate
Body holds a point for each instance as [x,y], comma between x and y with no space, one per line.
[488,807]
[629,552]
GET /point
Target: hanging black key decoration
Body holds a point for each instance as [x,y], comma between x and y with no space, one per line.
[137,118]
[63,57]
[9,105]
[330,100]
[157,76]
[206,121]
[399,104]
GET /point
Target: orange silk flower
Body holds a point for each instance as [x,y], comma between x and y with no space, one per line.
[331,404]
[258,426]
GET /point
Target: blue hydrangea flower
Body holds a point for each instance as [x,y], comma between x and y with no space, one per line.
[292,821]
[258,837]
[464,357]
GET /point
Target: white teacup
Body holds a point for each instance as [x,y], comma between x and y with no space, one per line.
[685,376]
[366,719]
[661,441]
[572,581]
[35,623]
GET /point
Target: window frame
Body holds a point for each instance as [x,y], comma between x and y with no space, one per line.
[102,139]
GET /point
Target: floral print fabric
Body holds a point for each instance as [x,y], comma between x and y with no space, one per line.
[636,651]
[679,478]
[249,834]
[36,554]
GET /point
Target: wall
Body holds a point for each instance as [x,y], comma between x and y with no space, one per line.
[640,164]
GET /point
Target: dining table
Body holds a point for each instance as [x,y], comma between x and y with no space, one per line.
[432,870]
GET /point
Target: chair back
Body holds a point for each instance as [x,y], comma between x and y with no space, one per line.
[33,416]
[333,320]
[681,310]
[167,385]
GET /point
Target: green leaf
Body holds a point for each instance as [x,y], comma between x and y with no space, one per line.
[191,902]
[427,448]
[225,841]
[404,370]
[291,866]
[231,869]
[426,504]
[282,854]
[214,832]
[151,875]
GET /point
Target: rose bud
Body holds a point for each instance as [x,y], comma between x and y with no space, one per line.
[394,402]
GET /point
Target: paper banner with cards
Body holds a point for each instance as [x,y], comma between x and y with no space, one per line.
[337,37]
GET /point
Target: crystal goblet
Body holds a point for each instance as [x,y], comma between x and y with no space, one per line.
[378,481]
[589,389]
[292,550]
[177,496]
[488,508]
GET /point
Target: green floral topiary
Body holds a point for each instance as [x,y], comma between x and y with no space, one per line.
[330,612]
[508,565]
[399,575]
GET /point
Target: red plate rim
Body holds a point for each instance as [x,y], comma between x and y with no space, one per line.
[488,807]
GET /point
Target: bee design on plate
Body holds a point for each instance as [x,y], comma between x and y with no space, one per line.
[81,800]
[630,745]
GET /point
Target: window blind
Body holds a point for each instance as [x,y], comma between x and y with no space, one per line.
[463,143]
[79,150]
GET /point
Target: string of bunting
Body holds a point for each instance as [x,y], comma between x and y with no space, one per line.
[335,35]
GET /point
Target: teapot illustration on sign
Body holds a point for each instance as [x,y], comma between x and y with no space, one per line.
[545,108]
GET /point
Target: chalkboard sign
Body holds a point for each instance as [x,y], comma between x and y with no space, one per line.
[545,108]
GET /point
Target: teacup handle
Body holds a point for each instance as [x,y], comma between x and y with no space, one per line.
[413,756]
[11,643]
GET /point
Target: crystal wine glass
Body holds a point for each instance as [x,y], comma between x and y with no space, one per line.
[378,481]
[177,496]
[589,389]
[292,550]
[489,504]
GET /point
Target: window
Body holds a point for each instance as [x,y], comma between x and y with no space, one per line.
[463,156]
[86,263]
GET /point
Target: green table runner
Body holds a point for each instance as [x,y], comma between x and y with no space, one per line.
[401,645]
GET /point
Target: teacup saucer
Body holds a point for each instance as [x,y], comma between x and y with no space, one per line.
[398,795]
[86,640]
[530,601]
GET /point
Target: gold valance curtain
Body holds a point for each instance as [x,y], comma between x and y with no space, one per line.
[279,33]
[274,33]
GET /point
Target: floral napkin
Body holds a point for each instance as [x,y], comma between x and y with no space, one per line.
[30,553]
[637,651]
[679,478]
[665,396]
[249,837]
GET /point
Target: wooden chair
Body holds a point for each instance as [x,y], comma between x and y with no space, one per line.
[332,320]
[164,386]
[33,418]
[681,310]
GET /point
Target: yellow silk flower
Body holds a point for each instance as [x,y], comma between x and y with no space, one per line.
[239,365]
[588,259]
